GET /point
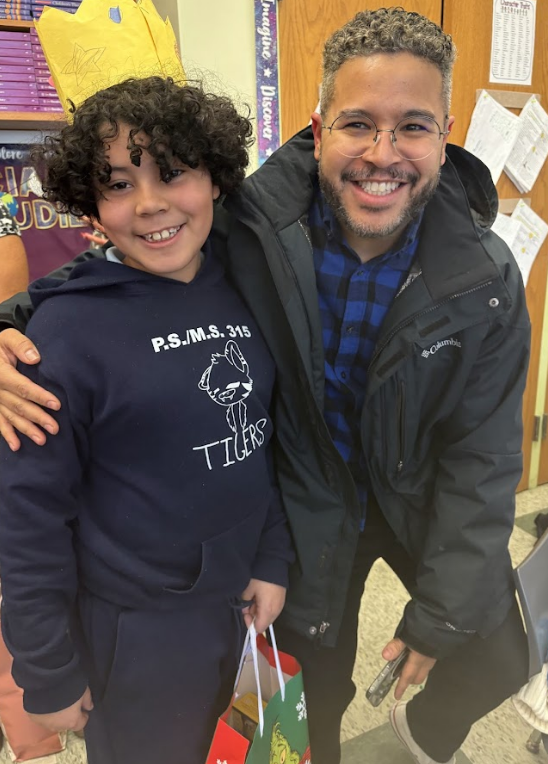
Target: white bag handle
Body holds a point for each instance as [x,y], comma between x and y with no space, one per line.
[279,671]
[250,643]
[253,642]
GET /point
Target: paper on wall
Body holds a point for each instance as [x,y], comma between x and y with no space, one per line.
[531,147]
[530,237]
[492,133]
[507,228]
[512,41]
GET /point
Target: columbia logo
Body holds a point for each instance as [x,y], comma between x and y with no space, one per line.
[441,344]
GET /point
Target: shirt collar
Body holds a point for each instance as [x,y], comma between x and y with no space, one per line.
[113,255]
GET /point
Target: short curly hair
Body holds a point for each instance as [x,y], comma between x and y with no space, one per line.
[388,30]
[181,121]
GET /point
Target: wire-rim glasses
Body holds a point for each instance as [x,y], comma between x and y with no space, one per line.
[414,138]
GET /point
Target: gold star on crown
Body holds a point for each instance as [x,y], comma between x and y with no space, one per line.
[103,43]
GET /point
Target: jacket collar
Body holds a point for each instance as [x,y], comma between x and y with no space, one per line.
[450,253]
[282,189]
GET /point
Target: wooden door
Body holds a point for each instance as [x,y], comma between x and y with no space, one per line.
[304,25]
[470,24]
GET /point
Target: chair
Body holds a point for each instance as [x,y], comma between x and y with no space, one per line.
[531,578]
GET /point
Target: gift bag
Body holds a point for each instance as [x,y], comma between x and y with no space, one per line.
[281,734]
[106,42]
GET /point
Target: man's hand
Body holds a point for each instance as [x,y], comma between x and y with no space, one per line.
[19,396]
[74,717]
[98,236]
[268,602]
[415,669]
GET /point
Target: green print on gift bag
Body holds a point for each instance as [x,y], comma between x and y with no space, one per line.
[281,736]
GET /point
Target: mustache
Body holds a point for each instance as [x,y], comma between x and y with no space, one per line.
[395,175]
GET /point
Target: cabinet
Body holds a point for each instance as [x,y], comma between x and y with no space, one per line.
[13,120]
[303,28]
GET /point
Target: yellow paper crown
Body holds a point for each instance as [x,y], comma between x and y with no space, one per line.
[103,43]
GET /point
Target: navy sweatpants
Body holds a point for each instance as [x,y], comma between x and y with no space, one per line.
[159,678]
[461,689]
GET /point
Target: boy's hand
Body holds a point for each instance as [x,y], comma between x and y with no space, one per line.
[415,669]
[18,395]
[268,602]
[74,717]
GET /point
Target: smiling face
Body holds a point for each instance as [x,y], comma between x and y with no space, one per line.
[376,195]
[159,225]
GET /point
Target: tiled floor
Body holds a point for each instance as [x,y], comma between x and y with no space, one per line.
[379,746]
[74,753]
[499,738]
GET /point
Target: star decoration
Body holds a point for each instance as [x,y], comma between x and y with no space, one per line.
[267,72]
[83,62]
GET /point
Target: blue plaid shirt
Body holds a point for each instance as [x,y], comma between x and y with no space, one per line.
[354,298]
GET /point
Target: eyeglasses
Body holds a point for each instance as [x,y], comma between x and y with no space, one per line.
[413,138]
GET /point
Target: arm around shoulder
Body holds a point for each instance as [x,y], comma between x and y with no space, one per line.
[20,399]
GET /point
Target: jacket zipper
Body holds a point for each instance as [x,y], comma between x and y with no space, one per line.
[421,313]
[303,228]
[324,625]
[401,425]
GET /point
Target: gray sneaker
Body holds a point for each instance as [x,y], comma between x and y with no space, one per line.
[398,720]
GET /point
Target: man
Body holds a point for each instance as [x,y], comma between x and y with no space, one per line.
[399,327]
[14,272]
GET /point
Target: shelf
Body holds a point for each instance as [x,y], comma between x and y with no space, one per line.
[27,120]
[31,120]
[8,24]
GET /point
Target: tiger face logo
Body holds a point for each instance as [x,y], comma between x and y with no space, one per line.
[227,382]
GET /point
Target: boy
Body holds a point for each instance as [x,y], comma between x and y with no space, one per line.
[125,551]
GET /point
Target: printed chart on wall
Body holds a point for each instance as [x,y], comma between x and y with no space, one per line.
[51,239]
[513,41]
[524,232]
[503,141]
[266,58]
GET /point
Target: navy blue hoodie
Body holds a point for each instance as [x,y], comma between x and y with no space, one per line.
[159,485]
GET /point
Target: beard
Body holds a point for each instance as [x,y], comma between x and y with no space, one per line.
[368,229]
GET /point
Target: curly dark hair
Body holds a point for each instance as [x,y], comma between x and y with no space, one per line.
[388,30]
[182,122]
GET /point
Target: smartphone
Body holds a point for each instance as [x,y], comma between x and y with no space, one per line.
[381,685]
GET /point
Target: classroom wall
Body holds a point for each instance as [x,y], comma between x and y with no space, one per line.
[217,39]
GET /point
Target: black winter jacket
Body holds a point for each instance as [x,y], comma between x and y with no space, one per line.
[441,423]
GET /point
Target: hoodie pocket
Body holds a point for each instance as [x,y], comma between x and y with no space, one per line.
[227,558]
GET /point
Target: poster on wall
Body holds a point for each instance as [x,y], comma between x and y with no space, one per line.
[266,62]
[513,41]
[50,238]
